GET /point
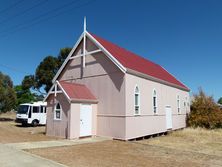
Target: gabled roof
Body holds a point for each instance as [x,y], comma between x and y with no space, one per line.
[127,61]
[77,91]
[132,61]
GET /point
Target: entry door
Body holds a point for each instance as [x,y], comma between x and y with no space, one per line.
[168,117]
[86,120]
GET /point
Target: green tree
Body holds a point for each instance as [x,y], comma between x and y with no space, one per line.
[45,72]
[47,69]
[219,101]
[23,95]
[7,93]
[64,52]
[28,82]
[204,112]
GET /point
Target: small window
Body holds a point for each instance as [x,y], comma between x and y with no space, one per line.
[57,113]
[178,104]
[154,102]
[136,101]
[35,109]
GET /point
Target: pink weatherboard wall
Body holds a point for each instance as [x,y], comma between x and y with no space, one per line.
[148,122]
[57,127]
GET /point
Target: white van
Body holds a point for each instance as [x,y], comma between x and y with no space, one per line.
[32,113]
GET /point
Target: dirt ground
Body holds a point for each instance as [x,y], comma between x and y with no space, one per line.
[189,147]
[11,132]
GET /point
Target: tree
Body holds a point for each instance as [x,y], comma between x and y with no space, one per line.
[7,93]
[23,95]
[204,112]
[28,82]
[220,101]
[64,52]
[45,72]
[47,69]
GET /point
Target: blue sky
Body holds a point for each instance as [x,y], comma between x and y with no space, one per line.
[184,36]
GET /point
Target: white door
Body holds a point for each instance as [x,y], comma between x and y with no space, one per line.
[168,117]
[86,120]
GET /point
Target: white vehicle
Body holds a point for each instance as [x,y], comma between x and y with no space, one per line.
[32,113]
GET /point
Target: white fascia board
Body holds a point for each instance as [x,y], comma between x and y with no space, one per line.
[63,91]
[68,57]
[109,55]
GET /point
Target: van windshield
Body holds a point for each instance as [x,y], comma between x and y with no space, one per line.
[23,109]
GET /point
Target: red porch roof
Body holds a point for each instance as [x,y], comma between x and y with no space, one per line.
[77,91]
[138,63]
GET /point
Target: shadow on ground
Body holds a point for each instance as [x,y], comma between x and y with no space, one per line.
[6,119]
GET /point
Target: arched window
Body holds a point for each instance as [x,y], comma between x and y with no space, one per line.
[57,111]
[178,103]
[154,102]
[136,101]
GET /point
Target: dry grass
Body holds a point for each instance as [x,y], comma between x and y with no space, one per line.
[180,148]
[11,132]
[196,140]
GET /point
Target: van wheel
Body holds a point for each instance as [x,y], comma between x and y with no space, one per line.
[35,123]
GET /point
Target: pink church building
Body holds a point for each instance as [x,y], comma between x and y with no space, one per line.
[105,90]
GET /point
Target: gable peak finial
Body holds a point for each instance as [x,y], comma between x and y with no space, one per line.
[84,24]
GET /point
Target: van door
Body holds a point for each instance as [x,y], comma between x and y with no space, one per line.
[42,115]
[35,113]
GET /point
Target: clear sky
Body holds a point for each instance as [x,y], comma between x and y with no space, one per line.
[184,36]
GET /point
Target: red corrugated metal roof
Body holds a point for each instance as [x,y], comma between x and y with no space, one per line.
[138,63]
[77,91]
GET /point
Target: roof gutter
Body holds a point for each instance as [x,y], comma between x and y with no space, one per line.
[91,101]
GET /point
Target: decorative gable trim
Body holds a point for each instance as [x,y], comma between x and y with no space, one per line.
[101,48]
[109,55]
[55,85]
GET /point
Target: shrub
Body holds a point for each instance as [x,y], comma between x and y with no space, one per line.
[204,112]
[7,94]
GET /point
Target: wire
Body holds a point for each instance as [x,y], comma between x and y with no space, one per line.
[13,69]
[40,16]
[11,6]
[42,20]
[23,12]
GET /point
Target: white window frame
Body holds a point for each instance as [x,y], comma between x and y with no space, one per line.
[55,109]
[178,105]
[134,98]
[155,113]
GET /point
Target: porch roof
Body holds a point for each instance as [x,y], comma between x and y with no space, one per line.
[77,92]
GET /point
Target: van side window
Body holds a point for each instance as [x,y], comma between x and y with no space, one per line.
[35,109]
[43,109]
